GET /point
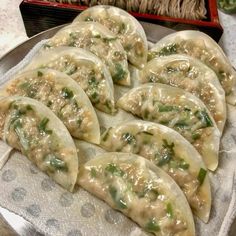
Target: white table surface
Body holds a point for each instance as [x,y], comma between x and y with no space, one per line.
[12,32]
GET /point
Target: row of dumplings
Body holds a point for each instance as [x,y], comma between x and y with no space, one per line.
[154,169]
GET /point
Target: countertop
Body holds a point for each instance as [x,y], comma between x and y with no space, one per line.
[12,33]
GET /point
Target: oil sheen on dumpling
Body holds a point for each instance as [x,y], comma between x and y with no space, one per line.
[100,41]
[201,46]
[124,26]
[32,128]
[179,110]
[191,75]
[168,150]
[62,95]
[140,190]
[85,68]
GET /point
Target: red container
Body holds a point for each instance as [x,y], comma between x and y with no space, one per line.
[39,15]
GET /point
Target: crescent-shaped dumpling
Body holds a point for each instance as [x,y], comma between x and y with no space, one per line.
[124,26]
[32,128]
[191,75]
[177,109]
[140,190]
[168,150]
[62,95]
[99,40]
[85,68]
[200,46]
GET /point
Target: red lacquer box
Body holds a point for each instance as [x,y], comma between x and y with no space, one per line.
[40,15]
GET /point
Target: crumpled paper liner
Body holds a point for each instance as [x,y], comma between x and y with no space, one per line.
[54,211]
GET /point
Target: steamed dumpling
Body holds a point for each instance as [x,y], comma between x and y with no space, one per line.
[124,26]
[100,41]
[85,68]
[168,150]
[62,95]
[191,75]
[33,129]
[140,190]
[201,46]
[179,110]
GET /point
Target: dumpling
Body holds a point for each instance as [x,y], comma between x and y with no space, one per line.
[100,41]
[125,27]
[140,190]
[191,75]
[32,128]
[85,68]
[168,150]
[201,46]
[62,95]
[177,109]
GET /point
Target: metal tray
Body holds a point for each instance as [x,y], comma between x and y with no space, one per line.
[9,60]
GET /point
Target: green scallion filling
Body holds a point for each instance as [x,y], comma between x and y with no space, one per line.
[152,226]
[167,153]
[201,175]
[40,73]
[55,163]
[119,74]
[204,118]
[93,173]
[114,170]
[42,127]
[128,138]
[67,93]
[169,210]
[119,202]
[168,50]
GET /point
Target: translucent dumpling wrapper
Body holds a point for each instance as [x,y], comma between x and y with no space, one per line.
[140,190]
[62,95]
[168,150]
[99,40]
[200,46]
[125,27]
[191,75]
[179,110]
[32,128]
[85,68]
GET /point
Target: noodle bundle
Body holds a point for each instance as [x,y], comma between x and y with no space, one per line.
[186,9]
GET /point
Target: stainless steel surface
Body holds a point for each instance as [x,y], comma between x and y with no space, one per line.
[19,224]
[17,54]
